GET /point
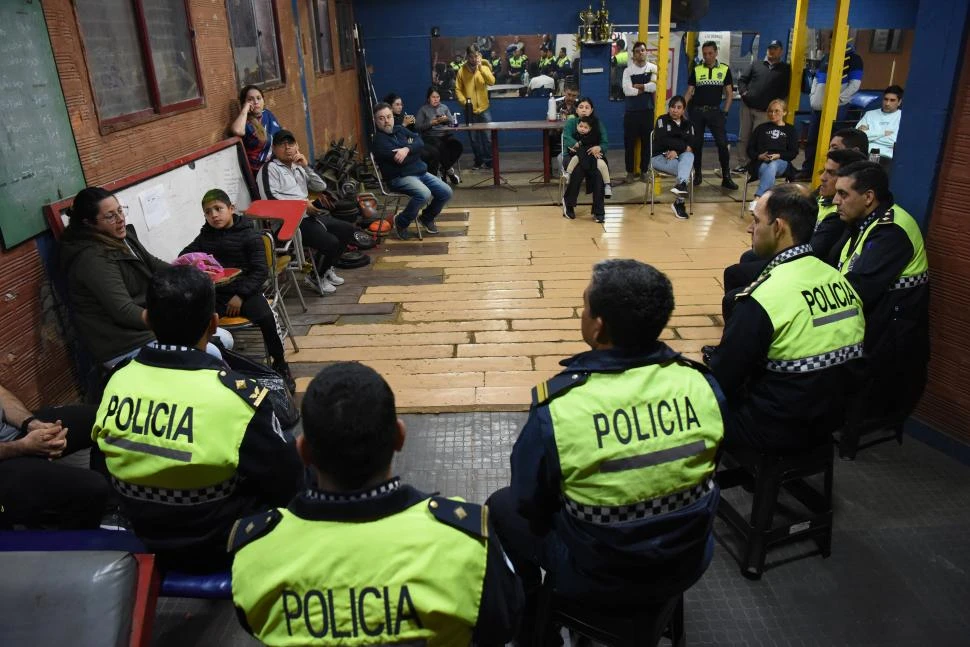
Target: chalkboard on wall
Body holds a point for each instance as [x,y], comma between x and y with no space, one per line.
[39,162]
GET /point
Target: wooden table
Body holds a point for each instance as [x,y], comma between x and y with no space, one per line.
[547,127]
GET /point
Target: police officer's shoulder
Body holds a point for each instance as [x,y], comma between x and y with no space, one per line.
[746,292]
[245,387]
[467,517]
[253,527]
[887,218]
[556,386]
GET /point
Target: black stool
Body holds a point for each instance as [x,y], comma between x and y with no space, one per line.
[850,438]
[639,627]
[771,473]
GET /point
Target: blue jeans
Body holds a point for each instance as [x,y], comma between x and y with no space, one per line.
[767,173]
[680,166]
[422,189]
[481,142]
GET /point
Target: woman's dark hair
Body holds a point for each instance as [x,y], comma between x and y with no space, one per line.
[180,302]
[245,90]
[432,89]
[586,100]
[87,205]
[633,299]
[350,423]
[391,98]
[677,98]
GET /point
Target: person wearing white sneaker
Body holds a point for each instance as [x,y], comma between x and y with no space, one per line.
[332,277]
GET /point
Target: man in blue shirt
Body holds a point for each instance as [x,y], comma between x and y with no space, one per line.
[398,154]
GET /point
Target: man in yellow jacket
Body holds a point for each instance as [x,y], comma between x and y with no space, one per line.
[471,84]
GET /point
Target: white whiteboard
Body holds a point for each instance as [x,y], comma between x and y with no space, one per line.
[181,193]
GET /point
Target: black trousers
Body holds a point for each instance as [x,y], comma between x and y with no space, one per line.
[714,121]
[594,185]
[257,310]
[637,126]
[449,150]
[39,493]
[327,235]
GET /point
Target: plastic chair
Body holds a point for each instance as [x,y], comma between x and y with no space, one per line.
[389,197]
[652,185]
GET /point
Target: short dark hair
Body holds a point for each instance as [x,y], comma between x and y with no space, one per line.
[382,105]
[868,176]
[586,99]
[589,121]
[571,86]
[180,303]
[633,299]
[709,43]
[638,43]
[894,89]
[621,43]
[472,49]
[350,422]
[793,203]
[533,68]
[391,98]
[845,156]
[853,138]
[86,205]
[677,98]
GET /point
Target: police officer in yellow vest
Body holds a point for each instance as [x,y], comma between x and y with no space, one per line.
[706,85]
[362,559]
[190,445]
[792,346]
[883,257]
[829,228]
[611,490]
[518,62]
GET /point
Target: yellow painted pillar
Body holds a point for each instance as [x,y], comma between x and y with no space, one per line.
[833,83]
[644,27]
[663,62]
[797,57]
[690,46]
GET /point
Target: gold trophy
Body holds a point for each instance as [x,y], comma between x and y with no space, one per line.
[587,17]
[603,27]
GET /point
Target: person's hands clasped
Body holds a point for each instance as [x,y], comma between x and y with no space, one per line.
[671,155]
[47,439]
[408,120]
[232,308]
[400,154]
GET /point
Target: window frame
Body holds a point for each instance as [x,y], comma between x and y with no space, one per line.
[316,39]
[264,86]
[352,48]
[156,110]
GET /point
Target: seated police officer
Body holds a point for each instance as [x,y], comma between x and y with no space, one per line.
[611,489]
[786,356]
[882,255]
[190,445]
[362,559]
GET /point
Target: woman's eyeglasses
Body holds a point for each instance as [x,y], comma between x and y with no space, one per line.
[119,214]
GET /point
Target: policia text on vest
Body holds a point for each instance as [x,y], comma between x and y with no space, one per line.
[364,611]
[677,415]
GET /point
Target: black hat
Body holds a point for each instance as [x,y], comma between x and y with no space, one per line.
[283,136]
[774,43]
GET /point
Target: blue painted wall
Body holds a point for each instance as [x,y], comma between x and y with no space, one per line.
[397,38]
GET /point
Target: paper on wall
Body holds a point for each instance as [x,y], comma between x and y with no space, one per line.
[154,206]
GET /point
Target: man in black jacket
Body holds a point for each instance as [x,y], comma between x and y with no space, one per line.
[762,83]
[398,154]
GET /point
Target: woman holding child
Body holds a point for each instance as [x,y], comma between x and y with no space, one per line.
[585,141]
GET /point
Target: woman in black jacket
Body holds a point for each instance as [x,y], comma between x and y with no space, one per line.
[672,152]
[235,244]
[771,149]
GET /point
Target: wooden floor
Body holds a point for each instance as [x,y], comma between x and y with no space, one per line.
[471,319]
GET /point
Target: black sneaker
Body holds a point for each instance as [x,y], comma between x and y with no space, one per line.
[741,169]
[283,370]
[728,183]
[680,211]
[399,231]
[698,180]
[569,212]
[599,217]
[680,189]
[114,520]
[429,226]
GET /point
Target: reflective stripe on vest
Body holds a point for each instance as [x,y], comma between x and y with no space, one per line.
[404,577]
[168,496]
[629,438]
[605,515]
[517,61]
[172,430]
[815,312]
[704,75]
[916,271]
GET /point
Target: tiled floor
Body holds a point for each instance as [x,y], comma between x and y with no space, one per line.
[470,320]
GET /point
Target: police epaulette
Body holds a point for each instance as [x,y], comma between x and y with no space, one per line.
[469,517]
[247,529]
[887,218]
[751,287]
[246,388]
[556,386]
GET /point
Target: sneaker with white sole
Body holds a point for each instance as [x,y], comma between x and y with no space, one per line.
[680,211]
[608,190]
[453,177]
[322,288]
[429,227]
[333,278]
[680,189]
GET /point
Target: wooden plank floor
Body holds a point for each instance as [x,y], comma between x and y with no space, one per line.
[471,319]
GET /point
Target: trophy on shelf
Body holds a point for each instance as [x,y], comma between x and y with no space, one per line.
[588,18]
[603,26]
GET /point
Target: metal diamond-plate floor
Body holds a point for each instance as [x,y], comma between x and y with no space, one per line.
[898,574]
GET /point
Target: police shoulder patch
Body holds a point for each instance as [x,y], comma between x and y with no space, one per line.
[245,387]
[468,517]
[746,292]
[887,218]
[247,529]
[557,385]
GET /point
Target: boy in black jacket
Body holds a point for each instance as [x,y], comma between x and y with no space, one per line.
[235,244]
